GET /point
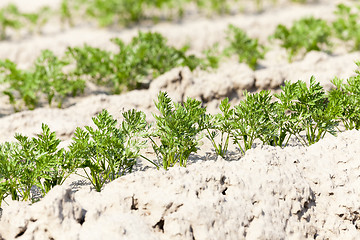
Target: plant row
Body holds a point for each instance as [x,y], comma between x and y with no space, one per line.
[110,150]
[108,12]
[127,12]
[133,66]
[12,18]
[310,33]
[305,35]
[53,78]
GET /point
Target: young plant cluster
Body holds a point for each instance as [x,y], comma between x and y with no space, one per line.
[133,66]
[12,18]
[347,25]
[309,33]
[127,12]
[110,13]
[144,58]
[177,127]
[305,35]
[247,49]
[106,153]
[110,150]
[304,112]
[45,80]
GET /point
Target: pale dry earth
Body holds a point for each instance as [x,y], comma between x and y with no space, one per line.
[271,193]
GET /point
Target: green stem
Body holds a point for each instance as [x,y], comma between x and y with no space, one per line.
[212,140]
[157,166]
[226,145]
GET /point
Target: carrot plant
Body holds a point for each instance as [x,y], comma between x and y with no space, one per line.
[310,111]
[286,124]
[307,113]
[252,119]
[26,87]
[177,128]
[112,12]
[149,55]
[54,83]
[347,97]
[135,64]
[66,13]
[348,103]
[212,58]
[87,61]
[220,125]
[36,20]
[47,166]
[10,172]
[108,151]
[257,117]
[220,7]
[32,162]
[9,18]
[128,12]
[145,57]
[276,125]
[248,50]
[305,35]
[22,87]
[347,26]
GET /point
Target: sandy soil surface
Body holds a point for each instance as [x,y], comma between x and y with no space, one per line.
[271,193]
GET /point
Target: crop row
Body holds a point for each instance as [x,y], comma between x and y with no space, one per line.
[305,35]
[133,66]
[310,33]
[53,78]
[127,12]
[111,150]
[110,12]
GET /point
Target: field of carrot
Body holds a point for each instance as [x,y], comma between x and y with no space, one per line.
[179,119]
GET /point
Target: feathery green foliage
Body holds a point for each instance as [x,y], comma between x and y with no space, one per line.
[26,87]
[177,128]
[108,151]
[248,50]
[135,64]
[306,34]
[251,119]
[347,25]
[346,96]
[144,58]
[310,110]
[36,20]
[9,18]
[32,162]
